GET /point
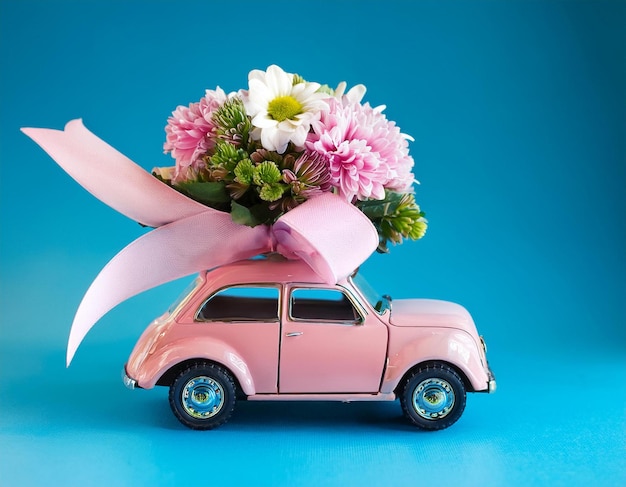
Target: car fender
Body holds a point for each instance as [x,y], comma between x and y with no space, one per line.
[452,346]
[196,348]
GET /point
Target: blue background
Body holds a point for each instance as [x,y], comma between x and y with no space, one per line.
[518,110]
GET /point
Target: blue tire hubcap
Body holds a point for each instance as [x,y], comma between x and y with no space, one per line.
[433,399]
[202,397]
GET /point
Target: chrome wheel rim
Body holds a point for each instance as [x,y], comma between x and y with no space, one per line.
[433,399]
[202,397]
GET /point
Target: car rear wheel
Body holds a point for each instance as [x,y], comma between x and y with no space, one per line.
[202,396]
[433,396]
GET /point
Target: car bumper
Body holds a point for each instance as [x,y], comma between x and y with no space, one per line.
[491,379]
[491,383]
[128,382]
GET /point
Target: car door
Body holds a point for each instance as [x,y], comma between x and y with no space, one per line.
[246,318]
[329,343]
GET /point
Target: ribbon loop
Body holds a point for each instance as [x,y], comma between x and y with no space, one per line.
[329,234]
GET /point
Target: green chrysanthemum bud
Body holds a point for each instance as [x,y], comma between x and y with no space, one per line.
[232,123]
[244,172]
[227,156]
[272,192]
[396,217]
[266,173]
[418,230]
[405,220]
[298,79]
[326,89]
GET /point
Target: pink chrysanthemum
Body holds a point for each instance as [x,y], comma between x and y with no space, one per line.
[366,153]
[309,176]
[393,147]
[189,133]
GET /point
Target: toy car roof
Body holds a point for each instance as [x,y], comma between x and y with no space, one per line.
[267,268]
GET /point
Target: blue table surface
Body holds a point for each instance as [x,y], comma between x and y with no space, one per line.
[551,422]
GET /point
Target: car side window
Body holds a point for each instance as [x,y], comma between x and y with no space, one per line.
[241,303]
[318,304]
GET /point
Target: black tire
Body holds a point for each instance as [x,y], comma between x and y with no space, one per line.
[202,396]
[433,396]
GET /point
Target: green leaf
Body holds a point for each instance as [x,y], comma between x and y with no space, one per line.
[375,209]
[242,215]
[205,192]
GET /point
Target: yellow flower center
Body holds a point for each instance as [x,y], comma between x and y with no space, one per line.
[283,108]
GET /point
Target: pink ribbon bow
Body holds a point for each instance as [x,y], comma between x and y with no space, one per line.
[332,236]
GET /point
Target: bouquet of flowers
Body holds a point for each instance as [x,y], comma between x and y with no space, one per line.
[260,152]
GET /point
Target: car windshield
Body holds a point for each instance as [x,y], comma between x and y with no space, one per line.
[187,292]
[378,302]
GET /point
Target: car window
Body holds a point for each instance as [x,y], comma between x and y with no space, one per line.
[317,304]
[185,294]
[378,302]
[241,303]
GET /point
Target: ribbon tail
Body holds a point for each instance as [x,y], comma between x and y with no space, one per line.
[184,247]
[112,177]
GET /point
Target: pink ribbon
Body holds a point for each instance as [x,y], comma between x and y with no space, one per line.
[332,236]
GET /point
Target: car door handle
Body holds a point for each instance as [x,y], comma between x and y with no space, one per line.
[294,334]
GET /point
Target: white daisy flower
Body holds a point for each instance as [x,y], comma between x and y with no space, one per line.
[281,111]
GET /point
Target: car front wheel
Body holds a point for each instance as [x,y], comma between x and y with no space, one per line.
[433,396]
[202,396]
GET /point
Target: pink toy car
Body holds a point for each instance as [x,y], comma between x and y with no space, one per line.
[269,329]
